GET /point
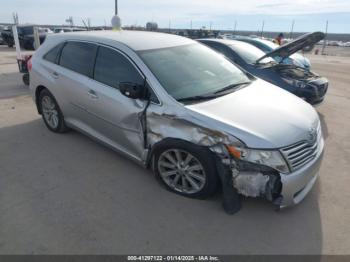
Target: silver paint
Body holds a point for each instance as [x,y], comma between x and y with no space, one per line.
[260,116]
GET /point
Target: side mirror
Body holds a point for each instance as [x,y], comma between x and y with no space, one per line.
[132,90]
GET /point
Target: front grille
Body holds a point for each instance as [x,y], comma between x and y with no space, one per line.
[303,152]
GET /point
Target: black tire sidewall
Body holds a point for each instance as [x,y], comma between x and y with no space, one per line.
[25,79]
[204,156]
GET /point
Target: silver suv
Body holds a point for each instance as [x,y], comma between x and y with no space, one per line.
[180,108]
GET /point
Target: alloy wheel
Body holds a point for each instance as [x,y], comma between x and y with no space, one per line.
[50,112]
[181,171]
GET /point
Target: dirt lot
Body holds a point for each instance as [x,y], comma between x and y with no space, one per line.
[66,194]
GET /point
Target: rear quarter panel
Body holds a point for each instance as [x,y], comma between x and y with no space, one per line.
[41,73]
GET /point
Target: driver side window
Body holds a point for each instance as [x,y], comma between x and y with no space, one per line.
[112,68]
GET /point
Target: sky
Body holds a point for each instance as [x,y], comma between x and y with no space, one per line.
[309,15]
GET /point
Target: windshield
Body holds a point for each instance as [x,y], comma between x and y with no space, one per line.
[250,53]
[25,30]
[192,70]
[271,45]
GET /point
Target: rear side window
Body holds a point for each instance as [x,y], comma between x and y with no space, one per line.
[79,57]
[52,55]
[112,68]
[220,48]
[261,46]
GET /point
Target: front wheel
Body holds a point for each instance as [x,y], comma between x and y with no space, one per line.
[186,169]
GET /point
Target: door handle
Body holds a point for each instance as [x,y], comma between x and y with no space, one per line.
[93,94]
[55,74]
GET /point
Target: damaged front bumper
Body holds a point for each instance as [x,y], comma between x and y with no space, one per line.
[296,185]
[283,190]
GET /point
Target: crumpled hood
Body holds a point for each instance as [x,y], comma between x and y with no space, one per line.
[261,115]
[295,45]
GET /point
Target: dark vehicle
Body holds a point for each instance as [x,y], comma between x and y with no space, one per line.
[1,39]
[7,37]
[297,80]
[25,36]
[151,26]
[68,30]
[268,46]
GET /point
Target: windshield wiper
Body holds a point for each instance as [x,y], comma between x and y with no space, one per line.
[232,87]
[196,98]
[213,95]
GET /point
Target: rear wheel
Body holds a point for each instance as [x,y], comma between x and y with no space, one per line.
[186,169]
[51,113]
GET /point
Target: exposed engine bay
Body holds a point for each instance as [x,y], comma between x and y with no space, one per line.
[294,72]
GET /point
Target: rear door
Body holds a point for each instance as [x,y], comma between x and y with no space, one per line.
[46,73]
[75,78]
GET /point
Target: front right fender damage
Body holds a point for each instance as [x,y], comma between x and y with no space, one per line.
[246,179]
[237,177]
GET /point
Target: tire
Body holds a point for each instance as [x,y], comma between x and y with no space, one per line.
[25,79]
[198,166]
[51,112]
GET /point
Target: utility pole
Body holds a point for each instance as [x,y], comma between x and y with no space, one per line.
[262,28]
[70,21]
[210,26]
[116,21]
[235,27]
[291,30]
[324,40]
[15,18]
[191,25]
[85,24]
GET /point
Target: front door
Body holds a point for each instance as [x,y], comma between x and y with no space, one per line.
[113,115]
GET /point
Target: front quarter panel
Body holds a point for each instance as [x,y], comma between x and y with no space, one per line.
[176,121]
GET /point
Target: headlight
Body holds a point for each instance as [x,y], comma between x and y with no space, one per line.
[271,158]
[296,83]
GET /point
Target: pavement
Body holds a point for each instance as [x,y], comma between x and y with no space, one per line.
[67,194]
